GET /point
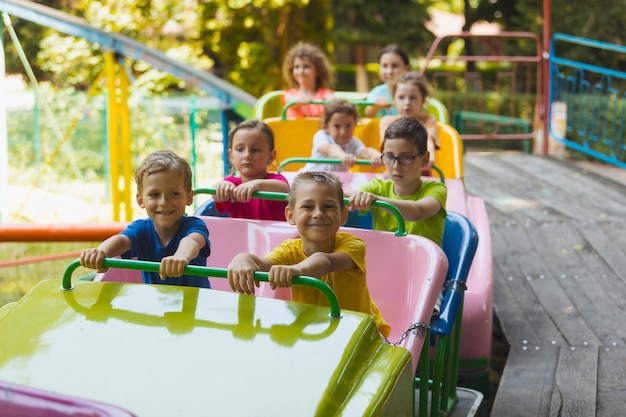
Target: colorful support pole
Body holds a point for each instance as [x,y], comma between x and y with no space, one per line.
[118,127]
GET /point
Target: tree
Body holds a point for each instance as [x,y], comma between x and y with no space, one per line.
[250,38]
[363,23]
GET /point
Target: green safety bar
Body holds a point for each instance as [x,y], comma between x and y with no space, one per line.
[283,113]
[204,271]
[266,195]
[288,161]
[298,160]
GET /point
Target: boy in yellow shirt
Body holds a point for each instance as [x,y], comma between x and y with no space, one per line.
[316,207]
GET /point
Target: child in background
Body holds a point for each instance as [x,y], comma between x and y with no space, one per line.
[336,139]
[409,94]
[310,77]
[393,61]
[251,150]
[167,235]
[421,202]
[317,209]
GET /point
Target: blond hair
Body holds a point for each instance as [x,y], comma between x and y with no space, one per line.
[160,161]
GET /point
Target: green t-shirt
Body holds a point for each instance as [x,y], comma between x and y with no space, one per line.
[431,227]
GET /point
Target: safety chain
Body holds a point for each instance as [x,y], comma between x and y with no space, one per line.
[421,328]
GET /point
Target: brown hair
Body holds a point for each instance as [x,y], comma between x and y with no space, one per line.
[324,77]
[322,178]
[396,50]
[338,105]
[160,161]
[253,124]
[408,128]
[414,78]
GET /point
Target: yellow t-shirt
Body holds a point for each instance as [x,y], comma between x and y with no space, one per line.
[350,285]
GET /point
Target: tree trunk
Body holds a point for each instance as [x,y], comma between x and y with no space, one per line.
[362,81]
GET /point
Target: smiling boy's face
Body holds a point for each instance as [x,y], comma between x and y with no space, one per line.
[164,198]
[317,213]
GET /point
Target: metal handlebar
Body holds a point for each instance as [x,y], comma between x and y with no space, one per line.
[283,113]
[266,195]
[204,271]
[298,160]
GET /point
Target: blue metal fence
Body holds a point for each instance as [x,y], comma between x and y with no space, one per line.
[587,101]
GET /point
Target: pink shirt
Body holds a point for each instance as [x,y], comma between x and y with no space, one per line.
[256,208]
[307,110]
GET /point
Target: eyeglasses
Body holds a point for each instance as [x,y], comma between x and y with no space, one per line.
[404,159]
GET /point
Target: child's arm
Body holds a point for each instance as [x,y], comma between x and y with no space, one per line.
[316,265]
[379,103]
[373,155]
[430,123]
[243,193]
[384,124]
[188,248]
[241,272]
[411,210]
[113,246]
[335,151]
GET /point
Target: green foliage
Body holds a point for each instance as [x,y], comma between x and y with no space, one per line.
[250,38]
[394,21]
[15,281]
[71,142]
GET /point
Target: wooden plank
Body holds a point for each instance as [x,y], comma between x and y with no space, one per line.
[575,383]
[513,321]
[525,389]
[494,179]
[559,267]
[531,183]
[594,200]
[612,254]
[616,231]
[576,263]
[530,248]
[574,313]
[611,381]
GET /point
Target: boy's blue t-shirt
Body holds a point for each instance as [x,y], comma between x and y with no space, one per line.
[145,247]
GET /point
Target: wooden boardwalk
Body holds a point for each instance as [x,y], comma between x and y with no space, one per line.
[559,247]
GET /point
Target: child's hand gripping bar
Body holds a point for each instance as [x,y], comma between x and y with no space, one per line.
[265,195]
[204,271]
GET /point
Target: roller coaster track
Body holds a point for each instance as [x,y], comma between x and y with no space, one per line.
[229,95]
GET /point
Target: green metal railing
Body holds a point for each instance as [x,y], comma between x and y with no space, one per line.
[298,160]
[283,113]
[265,195]
[204,271]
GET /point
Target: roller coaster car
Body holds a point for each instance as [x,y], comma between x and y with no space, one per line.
[294,137]
[220,353]
[294,143]
[270,104]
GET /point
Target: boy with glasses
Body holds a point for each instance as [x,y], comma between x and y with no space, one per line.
[421,202]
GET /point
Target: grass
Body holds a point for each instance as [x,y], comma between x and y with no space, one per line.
[15,281]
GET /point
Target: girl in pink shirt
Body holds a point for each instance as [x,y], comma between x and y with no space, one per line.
[251,150]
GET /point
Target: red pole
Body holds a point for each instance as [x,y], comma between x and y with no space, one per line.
[30,232]
[546,73]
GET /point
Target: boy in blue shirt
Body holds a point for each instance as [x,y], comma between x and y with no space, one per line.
[167,235]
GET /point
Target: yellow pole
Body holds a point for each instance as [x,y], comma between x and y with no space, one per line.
[124,115]
[112,117]
[119,136]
